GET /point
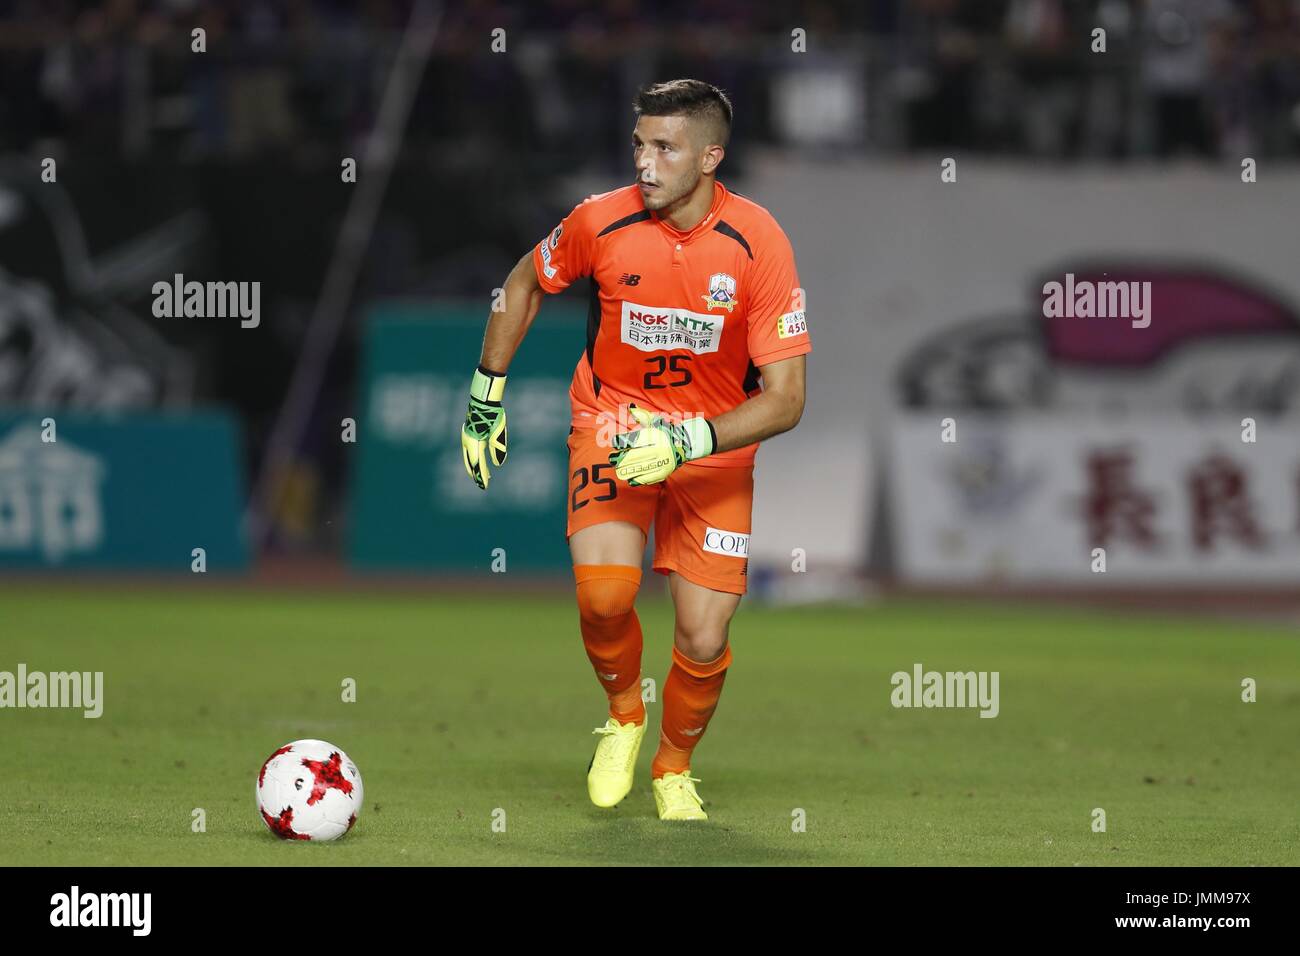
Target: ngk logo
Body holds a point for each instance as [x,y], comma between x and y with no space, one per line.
[652,330]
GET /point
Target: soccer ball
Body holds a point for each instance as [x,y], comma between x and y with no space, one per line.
[309,790]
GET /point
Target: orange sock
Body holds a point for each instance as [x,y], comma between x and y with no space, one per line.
[690,696]
[611,633]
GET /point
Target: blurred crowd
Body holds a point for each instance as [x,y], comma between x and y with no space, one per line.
[1201,77]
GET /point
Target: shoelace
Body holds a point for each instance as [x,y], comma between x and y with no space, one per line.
[678,786]
[616,757]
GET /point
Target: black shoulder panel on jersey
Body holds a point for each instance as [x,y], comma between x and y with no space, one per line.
[593,328]
[636,217]
[729,230]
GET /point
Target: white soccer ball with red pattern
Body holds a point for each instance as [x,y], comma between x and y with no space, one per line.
[309,790]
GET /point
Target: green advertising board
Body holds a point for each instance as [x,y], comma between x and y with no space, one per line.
[137,490]
[413,507]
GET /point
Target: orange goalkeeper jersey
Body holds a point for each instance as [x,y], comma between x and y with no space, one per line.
[678,322]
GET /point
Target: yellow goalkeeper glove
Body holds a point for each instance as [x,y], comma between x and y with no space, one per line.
[483,437]
[651,452]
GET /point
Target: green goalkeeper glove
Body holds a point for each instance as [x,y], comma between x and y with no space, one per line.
[653,451]
[483,438]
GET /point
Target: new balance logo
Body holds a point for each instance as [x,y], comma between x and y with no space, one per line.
[608,676]
[629,278]
[694,733]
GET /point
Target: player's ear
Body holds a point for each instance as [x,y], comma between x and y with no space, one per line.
[712,158]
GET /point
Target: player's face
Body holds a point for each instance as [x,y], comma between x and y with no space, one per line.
[667,158]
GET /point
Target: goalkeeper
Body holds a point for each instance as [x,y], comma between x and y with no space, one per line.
[696,349]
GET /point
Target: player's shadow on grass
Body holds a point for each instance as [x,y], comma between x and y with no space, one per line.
[557,825]
[632,836]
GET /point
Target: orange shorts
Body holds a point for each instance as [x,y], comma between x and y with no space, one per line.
[701,514]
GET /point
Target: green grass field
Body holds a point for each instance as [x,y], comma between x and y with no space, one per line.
[467,704]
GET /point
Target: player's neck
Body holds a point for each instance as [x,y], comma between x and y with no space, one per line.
[693,208]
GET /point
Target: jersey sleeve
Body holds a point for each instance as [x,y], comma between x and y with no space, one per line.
[778,324]
[565,254]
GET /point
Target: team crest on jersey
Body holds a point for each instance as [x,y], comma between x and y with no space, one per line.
[722,292]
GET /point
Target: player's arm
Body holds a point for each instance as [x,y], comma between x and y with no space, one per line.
[549,267]
[483,437]
[521,298]
[777,409]
[778,346]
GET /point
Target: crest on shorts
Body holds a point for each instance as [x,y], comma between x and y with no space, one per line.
[722,292]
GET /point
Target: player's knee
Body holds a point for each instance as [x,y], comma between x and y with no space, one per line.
[703,658]
[701,644]
[603,598]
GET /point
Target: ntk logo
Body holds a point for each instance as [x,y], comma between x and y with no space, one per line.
[651,330]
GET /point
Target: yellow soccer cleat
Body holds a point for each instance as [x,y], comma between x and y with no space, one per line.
[609,775]
[676,798]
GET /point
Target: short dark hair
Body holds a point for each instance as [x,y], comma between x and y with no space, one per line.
[692,98]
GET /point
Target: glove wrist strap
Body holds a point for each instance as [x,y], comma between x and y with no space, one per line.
[703,438]
[487,385]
